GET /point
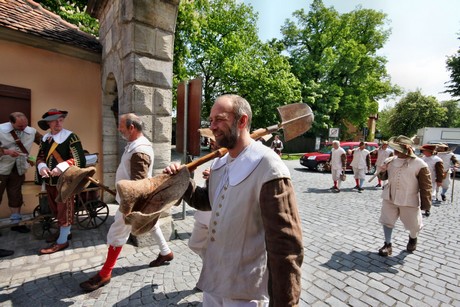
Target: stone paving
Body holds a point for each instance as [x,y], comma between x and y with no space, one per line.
[341,265]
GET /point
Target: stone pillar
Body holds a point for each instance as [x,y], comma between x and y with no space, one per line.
[138,44]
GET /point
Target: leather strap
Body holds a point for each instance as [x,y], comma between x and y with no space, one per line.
[18,142]
[21,146]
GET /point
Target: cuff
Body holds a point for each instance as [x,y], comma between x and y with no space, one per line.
[63,166]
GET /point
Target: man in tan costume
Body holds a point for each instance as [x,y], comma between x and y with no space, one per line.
[254,250]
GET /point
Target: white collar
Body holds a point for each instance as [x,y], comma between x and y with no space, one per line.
[8,127]
[60,137]
[250,157]
[140,141]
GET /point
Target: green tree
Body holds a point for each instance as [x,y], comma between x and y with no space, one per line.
[383,122]
[217,41]
[335,58]
[453,65]
[416,111]
[74,12]
[452,114]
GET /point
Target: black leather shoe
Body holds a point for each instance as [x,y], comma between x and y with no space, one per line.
[21,229]
[411,245]
[5,253]
[386,250]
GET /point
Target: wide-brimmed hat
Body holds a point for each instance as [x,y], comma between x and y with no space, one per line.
[402,144]
[428,147]
[73,181]
[143,201]
[52,114]
[443,146]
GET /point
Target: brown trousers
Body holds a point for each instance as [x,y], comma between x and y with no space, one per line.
[12,183]
[64,211]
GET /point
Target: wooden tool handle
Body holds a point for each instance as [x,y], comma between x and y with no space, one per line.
[215,154]
[222,151]
[101,185]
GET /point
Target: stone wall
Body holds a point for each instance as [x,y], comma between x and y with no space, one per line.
[138,43]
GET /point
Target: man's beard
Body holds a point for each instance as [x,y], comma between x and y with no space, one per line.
[229,140]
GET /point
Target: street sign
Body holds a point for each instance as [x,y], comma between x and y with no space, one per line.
[334,132]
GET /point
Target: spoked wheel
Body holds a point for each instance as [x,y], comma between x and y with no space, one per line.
[45,226]
[92,214]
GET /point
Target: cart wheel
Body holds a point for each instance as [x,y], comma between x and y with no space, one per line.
[45,227]
[92,214]
[36,211]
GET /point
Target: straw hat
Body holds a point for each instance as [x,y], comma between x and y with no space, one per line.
[402,144]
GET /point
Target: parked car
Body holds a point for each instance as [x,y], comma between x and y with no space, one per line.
[317,160]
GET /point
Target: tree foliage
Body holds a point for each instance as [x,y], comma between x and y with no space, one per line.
[452,109]
[217,41]
[383,123]
[453,65]
[74,12]
[416,111]
[335,58]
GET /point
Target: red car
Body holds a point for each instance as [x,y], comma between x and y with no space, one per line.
[317,160]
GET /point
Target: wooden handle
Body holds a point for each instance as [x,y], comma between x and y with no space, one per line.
[215,154]
[101,185]
[222,151]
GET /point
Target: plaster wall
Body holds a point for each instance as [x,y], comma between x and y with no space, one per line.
[55,81]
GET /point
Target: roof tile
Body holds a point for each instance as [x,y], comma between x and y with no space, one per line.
[29,17]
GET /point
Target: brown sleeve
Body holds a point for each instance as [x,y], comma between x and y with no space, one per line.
[197,197]
[283,237]
[343,157]
[140,163]
[38,137]
[439,169]
[424,184]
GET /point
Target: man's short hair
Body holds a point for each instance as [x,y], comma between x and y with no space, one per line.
[240,106]
[133,119]
[336,142]
[14,116]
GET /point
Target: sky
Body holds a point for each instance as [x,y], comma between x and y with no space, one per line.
[423,34]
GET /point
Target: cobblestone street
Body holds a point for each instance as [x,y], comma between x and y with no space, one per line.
[341,265]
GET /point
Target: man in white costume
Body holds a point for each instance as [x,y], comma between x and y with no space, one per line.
[436,168]
[136,164]
[338,162]
[254,250]
[448,160]
[383,153]
[361,164]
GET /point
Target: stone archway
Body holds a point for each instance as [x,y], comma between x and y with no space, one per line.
[110,144]
[137,62]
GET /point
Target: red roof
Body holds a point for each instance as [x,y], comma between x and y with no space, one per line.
[29,17]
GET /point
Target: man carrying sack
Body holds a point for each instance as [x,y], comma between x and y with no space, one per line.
[254,248]
[59,149]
